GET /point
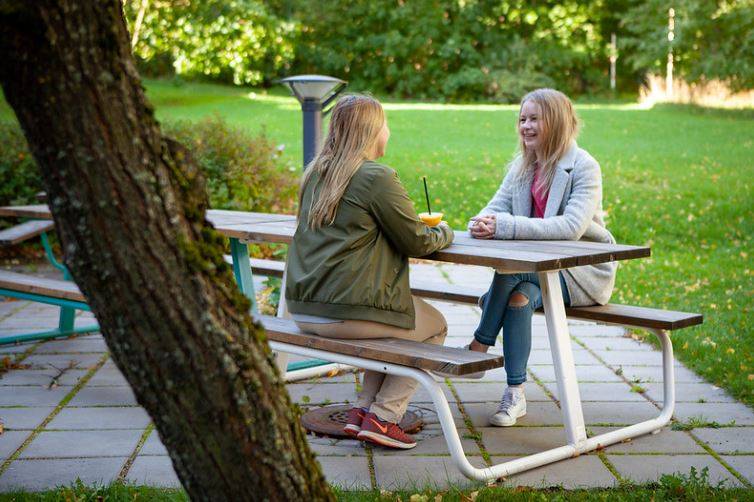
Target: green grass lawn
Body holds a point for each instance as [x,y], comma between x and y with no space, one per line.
[692,487]
[676,178]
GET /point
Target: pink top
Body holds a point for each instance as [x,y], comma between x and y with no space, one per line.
[539,199]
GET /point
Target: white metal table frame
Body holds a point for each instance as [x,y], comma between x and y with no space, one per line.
[565,374]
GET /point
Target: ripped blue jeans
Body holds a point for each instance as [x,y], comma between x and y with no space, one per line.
[515,321]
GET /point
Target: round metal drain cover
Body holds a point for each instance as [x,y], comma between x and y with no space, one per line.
[329,421]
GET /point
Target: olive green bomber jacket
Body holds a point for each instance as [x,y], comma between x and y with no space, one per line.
[357,268]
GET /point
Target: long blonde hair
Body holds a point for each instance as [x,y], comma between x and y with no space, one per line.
[354,127]
[558,128]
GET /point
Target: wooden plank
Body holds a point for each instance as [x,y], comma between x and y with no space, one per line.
[519,256]
[642,317]
[41,286]
[221,217]
[449,360]
[37,211]
[625,315]
[24,231]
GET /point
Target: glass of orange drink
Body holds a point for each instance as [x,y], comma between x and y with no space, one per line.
[431,219]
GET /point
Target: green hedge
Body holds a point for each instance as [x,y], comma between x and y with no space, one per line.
[243,172]
[19,177]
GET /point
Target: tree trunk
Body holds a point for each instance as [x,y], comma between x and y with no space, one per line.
[129,206]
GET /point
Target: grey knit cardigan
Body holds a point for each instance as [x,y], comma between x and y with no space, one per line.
[573,212]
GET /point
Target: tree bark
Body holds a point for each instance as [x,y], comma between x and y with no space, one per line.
[129,206]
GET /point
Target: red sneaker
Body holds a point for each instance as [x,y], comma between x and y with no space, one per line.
[353,422]
[384,433]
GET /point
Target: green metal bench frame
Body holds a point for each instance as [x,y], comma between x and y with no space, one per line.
[68,308]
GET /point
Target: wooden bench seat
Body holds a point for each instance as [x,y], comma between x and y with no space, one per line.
[390,350]
[624,315]
[52,288]
[24,231]
[450,360]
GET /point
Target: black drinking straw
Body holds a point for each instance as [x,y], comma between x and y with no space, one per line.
[426,194]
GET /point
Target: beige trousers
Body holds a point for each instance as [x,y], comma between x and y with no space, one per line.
[386,396]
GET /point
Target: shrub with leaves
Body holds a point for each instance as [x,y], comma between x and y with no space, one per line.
[244,173]
[19,177]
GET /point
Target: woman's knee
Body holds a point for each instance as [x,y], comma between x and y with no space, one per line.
[526,296]
[518,300]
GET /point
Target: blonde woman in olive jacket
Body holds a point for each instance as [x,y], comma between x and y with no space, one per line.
[347,274]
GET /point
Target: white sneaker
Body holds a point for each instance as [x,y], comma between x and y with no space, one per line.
[512,407]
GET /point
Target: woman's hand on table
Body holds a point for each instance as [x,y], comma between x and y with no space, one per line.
[483,227]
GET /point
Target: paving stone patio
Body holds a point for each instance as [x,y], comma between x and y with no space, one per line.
[56,432]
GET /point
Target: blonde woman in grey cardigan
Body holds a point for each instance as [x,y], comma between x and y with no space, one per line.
[552,191]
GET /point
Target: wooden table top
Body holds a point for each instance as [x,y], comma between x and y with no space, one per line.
[511,255]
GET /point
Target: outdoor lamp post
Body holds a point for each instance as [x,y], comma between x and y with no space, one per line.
[314,92]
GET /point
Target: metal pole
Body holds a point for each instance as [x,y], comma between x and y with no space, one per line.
[613,59]
[312,128]
[669,68]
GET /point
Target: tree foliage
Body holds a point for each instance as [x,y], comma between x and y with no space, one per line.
[713,39]
[230,40]
[454,49]
[447,49]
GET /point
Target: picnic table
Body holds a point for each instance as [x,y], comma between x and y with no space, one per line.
[546,258]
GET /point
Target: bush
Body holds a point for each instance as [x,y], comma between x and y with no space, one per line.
[243,173]
[19,176]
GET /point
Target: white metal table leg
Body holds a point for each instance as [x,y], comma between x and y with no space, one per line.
[562,355]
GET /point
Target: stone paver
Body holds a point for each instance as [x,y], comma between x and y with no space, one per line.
[153,471]
[104,396]
[60,361]
[99,428]
[586,471]
[728,439]
[483,392]
[618,413]
[34,475]
[351,473]
[40,378]
[645,374]
[326,447]
[431,442]
[108,377]
[11,395]
[584,374]
[664,441]
[601,392]
[722,413]
[104,443]
[439,472]
[24,418]
[612,343]
[643,468]
[153,445]
[73,345]
[690,392]
[521,440]
[10,441]
[744,464]
[579,357]
[100,418]
[537,413]
[322,393]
